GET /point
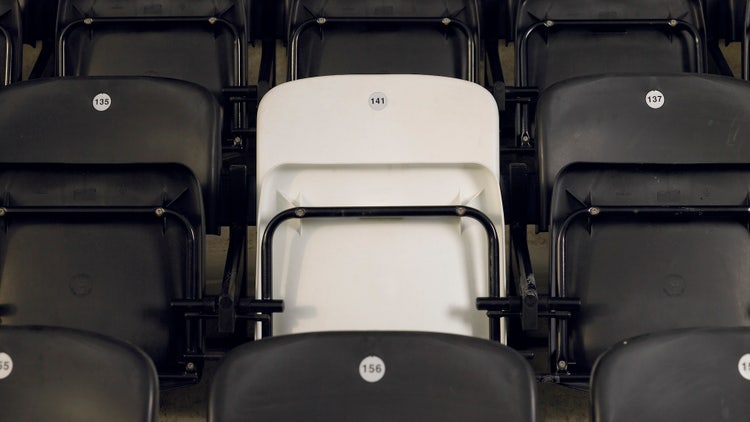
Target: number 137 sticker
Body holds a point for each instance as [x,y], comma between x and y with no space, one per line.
[655,99]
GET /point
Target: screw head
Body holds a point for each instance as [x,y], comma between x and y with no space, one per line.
[446,21]
[299,212]
[562,365]
[320,21]
[549,23]
[594,211]
[159,212]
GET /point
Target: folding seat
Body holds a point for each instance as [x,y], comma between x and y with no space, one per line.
[200,42]
[103,215]
[394,181]
[373,376]
[435,37]
[58,374]
[563,39]
[10,36]
[646,183]
[683,375]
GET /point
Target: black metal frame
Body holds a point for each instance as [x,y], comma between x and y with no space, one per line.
[8,53]
[321,21]
[559,350]
[266,248]
[193,347]
[522,118]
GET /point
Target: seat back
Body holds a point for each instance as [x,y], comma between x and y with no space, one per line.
[200,42]
[697,374]
[352,37]
[102,210]
[373,376]
[383,141]
[648,248]
[10,41]
[56,374]
[558,40]
[640,119]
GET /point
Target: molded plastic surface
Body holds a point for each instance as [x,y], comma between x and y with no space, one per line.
[149,120]
[202,52]
[607,119]
[435,143]
[636,272]
[560,52]
[426,376]
[371,47]
[690,375]
[60,374]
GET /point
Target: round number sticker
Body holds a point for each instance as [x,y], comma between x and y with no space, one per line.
[743,366]
[655,99]
[6,365]
[377,101]
[372,369]
[102,101]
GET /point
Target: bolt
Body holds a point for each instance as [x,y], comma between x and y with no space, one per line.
[320,21]
[525,137]
[549,23]
[160,212]
[594,211]
[446,21]
[299,212]
[562,365]
[2,212]
[190,367]
[237,141]
[672,23]
[212,20]
[461,211]
[88,21]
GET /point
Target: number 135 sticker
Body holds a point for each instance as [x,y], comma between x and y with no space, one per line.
[655,99]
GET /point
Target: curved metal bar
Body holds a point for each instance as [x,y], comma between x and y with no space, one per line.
[8,53]
[238,79]
[320,21]
[493,245]
[559,264]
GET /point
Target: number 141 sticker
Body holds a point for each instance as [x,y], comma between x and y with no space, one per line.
[655,99]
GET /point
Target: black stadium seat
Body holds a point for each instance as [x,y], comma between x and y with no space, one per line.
[435,37]
[373,376]
[684,375]
[646,183]
[200,42]
[563,39]
[57,374]
[10,41]
[103,208]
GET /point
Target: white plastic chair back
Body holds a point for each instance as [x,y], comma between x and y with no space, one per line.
[379,140]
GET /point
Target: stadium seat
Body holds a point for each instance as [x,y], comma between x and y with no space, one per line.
[434,37]
[648,181]
[102,208]
[684,375]
[200,42]
[57,374]
[373,376]
[379,170]
[10,37]
[558,40]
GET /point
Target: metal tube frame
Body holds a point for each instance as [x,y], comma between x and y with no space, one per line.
[559,353]
[522,119]
[321,21]
[193,283]
[493,245]
[8,53]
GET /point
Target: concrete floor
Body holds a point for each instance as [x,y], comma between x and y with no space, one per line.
[557,404]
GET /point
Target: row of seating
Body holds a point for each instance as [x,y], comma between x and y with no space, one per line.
[49,374]
[142,176]
[116,216]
